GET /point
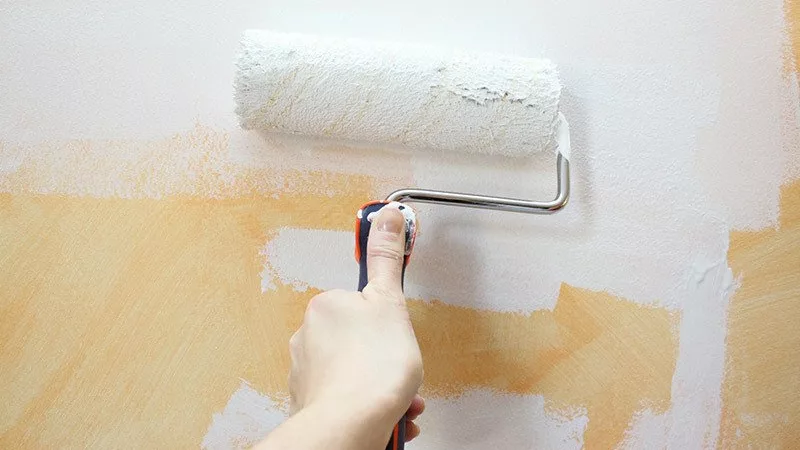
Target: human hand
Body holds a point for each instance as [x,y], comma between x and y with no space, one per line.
[355,354]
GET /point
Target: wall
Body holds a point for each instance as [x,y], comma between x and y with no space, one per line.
[155,258]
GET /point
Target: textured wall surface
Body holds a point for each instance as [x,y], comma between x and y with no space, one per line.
[155,258]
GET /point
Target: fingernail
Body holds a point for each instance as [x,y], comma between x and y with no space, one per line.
[391,220]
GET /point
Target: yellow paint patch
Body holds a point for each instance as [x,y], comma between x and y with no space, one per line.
[792,8]
[595,351]
[134,320]
[761,408]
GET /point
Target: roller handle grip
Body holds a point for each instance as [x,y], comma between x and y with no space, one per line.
[397,439]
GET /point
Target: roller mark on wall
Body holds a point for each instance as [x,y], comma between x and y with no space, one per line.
[631,349]
[143,314]
[155,301]
[201,162]
[607,355]
[309,200]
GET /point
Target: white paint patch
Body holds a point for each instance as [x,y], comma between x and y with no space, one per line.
[246,419]
[647,431]
[478,419]
[310,258]
[327,263]
[741,169]
[693,420]
[484,419]
[636,219]
[409,95]
[791,128]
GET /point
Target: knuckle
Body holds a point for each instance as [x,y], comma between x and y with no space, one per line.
[317,301]
[386,251]
[325,301]
[416,372]
[376,288]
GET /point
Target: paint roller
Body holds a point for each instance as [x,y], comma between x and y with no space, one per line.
[414,96]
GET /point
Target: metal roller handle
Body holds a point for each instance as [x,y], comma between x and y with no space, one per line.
[491,202]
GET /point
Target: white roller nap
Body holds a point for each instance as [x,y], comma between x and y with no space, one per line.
[414,96]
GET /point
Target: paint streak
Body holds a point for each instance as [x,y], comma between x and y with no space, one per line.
[760,404]
[199,162]
[131,320]
[193,162]
[133,309]
[150,301]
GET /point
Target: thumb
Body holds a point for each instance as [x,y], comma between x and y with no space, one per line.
[386,250]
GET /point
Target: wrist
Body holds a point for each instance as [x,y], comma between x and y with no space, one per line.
[349,426]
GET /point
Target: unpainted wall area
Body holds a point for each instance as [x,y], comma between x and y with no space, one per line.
[154,258]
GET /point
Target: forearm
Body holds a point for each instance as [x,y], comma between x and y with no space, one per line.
[325,428]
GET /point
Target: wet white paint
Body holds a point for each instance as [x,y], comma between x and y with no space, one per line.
[247,418]
[329,263]
[695,414]
[693,420]
[467,422]
[791,127]
[483,419]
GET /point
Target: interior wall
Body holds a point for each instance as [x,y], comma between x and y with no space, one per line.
[157,257]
